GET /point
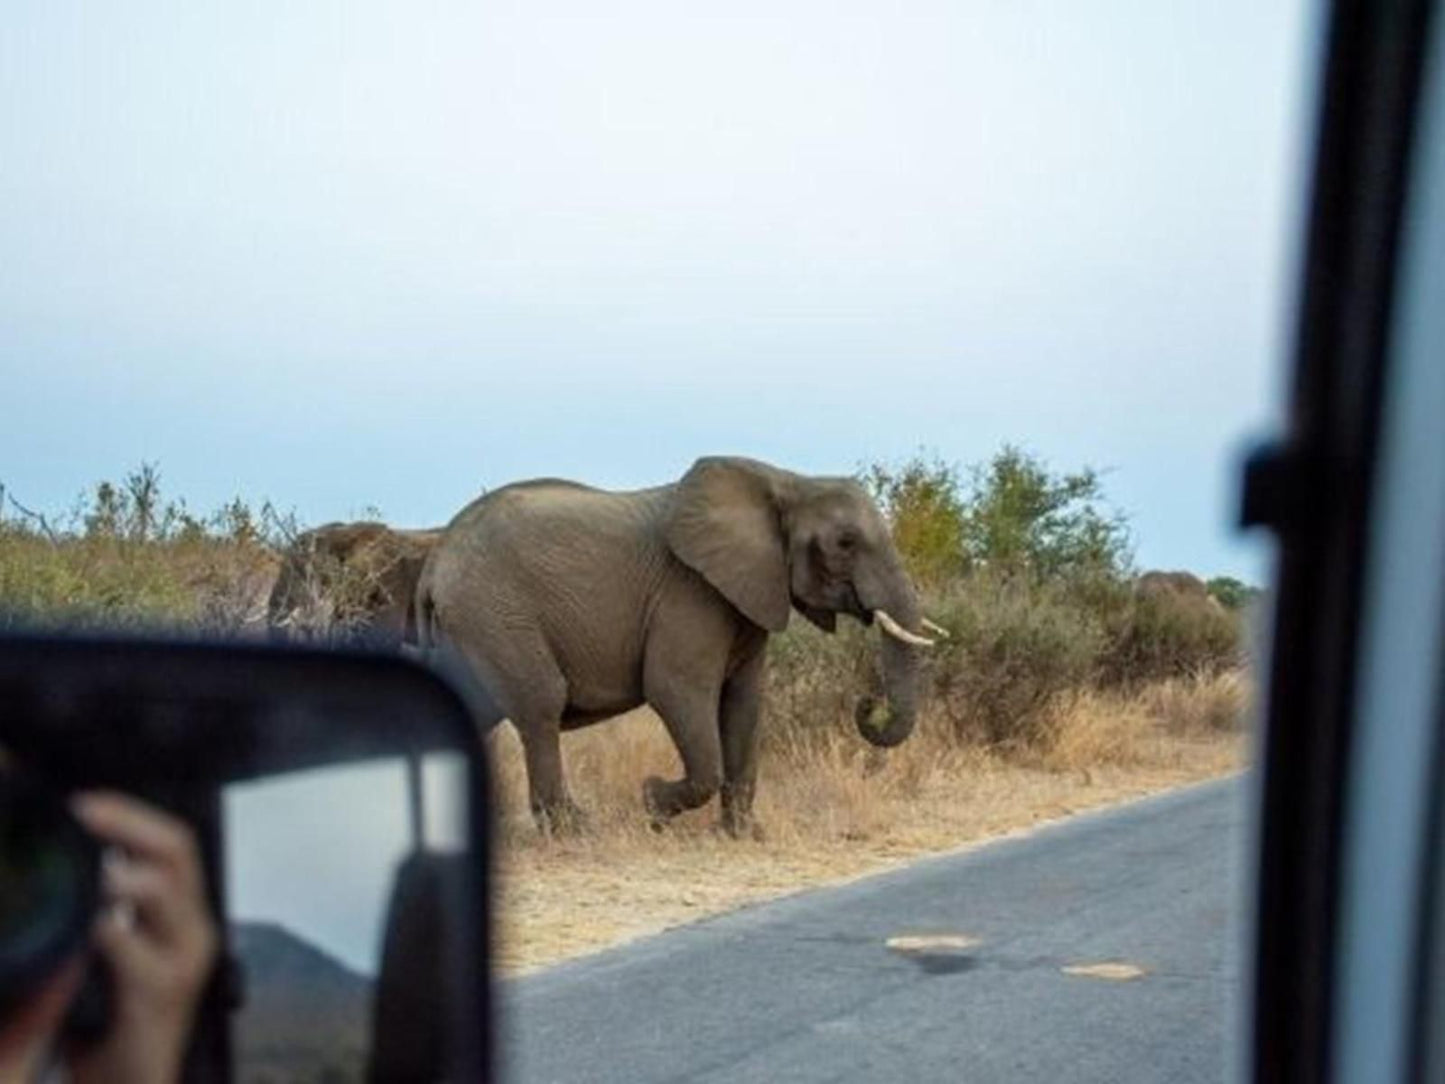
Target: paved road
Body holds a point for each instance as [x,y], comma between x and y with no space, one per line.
[806,990]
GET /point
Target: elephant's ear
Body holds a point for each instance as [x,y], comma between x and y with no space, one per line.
[724,524]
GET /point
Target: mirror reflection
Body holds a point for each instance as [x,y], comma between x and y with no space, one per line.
[327,870]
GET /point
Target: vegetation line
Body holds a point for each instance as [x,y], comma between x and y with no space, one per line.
[1067,681]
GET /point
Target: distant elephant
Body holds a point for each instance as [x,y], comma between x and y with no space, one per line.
[572,605]
[350,581]
[1179,588]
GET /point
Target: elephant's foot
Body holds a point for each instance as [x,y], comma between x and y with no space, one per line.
[664,799]
[564,818]
[737,811]
[742,827]
[654,800]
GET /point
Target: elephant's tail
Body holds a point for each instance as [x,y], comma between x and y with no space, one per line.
[432,649]
[421,621]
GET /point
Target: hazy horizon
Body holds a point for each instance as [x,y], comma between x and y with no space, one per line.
[361,256]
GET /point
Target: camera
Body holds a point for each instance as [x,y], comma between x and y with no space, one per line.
[49,886]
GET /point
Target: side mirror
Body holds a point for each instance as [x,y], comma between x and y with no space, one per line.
[340,806]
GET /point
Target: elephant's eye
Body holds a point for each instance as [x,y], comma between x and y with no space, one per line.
[847,541]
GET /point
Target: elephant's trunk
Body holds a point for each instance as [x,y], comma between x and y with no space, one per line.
[902,671]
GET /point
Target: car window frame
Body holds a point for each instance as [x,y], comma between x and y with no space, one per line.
[1315,488]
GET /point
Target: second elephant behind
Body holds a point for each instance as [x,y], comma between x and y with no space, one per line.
[344,582]
[572,605]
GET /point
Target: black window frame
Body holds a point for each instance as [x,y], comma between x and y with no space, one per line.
[1313,488]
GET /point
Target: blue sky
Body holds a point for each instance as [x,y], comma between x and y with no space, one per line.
[352,254]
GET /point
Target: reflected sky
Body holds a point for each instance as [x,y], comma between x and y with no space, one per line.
[317,851]
[353,255]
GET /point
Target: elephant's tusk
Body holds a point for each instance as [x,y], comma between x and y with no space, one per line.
[898,632]
[935,628]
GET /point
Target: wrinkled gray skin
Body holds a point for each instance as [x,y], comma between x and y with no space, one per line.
[367,568]
[573,605]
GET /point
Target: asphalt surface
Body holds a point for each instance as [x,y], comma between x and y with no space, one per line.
[807,989]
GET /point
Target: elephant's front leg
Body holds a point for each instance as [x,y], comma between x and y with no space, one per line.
[692,646]
[682,680]
[738,723]
[692,722]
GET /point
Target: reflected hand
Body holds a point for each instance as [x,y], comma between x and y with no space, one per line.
[157,935]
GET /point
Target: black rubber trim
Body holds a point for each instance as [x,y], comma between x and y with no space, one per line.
[1365,129]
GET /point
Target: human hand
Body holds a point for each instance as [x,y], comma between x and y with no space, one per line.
[157,934]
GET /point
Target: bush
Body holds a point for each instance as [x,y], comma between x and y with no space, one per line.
[1013,516]
[1014,650]
[126,559]
[1232,594]
[1020,518]
[1164,635]
[85,585]
[1032,572]
[923,503]
[814,679]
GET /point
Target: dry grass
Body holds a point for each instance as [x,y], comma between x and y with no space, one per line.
[832,809]
[1150,726]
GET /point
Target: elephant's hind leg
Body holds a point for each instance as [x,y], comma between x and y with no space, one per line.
[528,685]
[551,802]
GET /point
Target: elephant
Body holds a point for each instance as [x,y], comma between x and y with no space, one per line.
[572,605]
[1183,589]
[350,581]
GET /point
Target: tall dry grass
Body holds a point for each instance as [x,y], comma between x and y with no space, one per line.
[818,785]
[1149,725]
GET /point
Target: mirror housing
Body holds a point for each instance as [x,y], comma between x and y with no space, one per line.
[182,725]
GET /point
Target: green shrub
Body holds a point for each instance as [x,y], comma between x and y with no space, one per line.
[1167,635]
[1013,515]
[84,583]
[814,679]
[1014,649]
[1232,594]
[1022,518]
[923,503]
[127,559]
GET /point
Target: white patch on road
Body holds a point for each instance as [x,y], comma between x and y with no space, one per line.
[915,944]
[1112,971]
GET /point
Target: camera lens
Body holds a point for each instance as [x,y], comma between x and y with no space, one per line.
[49,879]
